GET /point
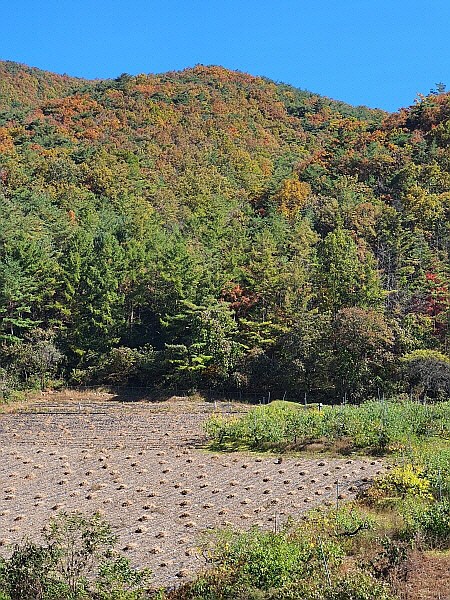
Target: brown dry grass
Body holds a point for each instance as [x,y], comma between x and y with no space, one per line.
[426,576]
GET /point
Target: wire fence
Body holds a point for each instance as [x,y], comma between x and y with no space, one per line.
[211,394]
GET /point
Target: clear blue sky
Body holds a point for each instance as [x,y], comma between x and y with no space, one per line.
[380,53]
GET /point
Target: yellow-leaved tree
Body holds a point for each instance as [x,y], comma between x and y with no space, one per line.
[292,195]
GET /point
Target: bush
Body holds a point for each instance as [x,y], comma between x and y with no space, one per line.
[407,481]
[430,525]
[30,573]
[356,586]
[302,562]
[116,580]
[436,463]
[267,560]
[77,562]
[7,384]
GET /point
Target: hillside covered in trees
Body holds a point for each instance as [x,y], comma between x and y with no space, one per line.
[210,229]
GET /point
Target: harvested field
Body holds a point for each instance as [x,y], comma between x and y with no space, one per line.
[141,465]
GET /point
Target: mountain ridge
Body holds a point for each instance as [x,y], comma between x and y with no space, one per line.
[209,227]
[10,69]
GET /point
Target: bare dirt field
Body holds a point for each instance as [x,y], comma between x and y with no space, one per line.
[143,467]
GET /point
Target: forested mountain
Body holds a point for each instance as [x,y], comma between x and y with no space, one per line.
[207,228]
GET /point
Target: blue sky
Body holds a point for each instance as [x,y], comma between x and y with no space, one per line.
[378,53]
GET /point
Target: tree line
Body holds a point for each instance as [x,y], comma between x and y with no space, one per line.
[207,228]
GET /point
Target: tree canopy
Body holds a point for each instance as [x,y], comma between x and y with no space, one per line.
[208,228]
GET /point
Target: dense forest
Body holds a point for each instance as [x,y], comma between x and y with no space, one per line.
[210,229]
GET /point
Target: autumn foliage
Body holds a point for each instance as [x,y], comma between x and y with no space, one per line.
[132,207]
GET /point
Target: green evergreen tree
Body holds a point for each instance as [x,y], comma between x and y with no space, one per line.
[344,279]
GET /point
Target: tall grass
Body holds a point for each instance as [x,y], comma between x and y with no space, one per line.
[386,426]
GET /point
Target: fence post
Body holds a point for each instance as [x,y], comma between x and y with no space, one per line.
[324,561]
[440,484]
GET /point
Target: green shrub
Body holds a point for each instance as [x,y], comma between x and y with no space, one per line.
[77,562]
[82,543]
[430,525]
[267,560]
[30,573]
[436,463]
[302,562]
[7,384]
[116,580]
[356,586]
